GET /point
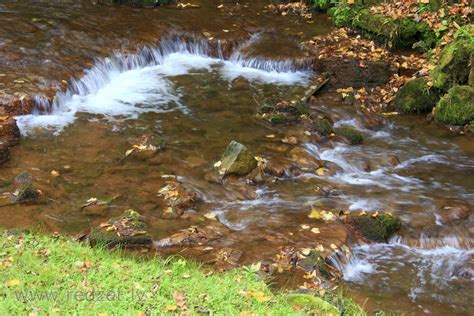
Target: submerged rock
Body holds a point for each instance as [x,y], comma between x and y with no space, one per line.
[125,230]
[452,211]
[303,158]
[237,160]
[374,228]
[456,107]
[177,199]
[25,193]
[353,136]
[195,236]
[416,97]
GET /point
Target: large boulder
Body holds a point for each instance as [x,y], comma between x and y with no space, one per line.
[416,97]
[125,230]
[237,160]
[456,107]
[454,66]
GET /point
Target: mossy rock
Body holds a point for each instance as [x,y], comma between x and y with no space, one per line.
[354,136]
[278,119]
[416,97]
[314,261]
[454,66]
[400,32]
[456,107]
[322,126]
[378,229]
[25,193]
[125,230]
[312,302]
[237,160]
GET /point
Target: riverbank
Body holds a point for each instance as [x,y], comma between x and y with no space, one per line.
[55,275]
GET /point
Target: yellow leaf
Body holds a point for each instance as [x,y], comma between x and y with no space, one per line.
[315,214]
[210,216]
[320,172]
[13,282]
[171,308]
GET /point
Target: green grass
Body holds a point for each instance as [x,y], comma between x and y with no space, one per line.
[46,275]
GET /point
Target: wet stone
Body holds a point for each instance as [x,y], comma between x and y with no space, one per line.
[377,229]
[303,158]
[125,230]
[25,193]
[237,160]
[453,211]
[194,236]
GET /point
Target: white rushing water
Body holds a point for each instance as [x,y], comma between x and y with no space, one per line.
[129,85]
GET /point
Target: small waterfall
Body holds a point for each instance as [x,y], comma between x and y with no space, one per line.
[144,76]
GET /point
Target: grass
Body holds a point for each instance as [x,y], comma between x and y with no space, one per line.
[42,275]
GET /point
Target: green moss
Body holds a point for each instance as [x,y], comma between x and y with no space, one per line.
[277,118]
[456,107]
[378,229]
[416,97]
[312,303]
[124,230]
[314,261]
[322,126]
[354,136]
[454,66]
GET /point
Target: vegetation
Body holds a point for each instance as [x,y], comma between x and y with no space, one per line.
[44,275]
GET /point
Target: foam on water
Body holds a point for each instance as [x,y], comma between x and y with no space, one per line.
[126,86]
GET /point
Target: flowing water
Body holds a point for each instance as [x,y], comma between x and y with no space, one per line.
[197,96]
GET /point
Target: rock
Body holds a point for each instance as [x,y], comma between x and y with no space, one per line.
[23,178]
[96,209]
[25,193]
[315,262]
[194,236]
[454,210]
[322,126]
[240,84]
[454,66]
[313,303]
[378,229]
[9,132]
[304,159]
[353,136]
[4,152]
[237,160]
[456,107]
[278,167]
[416,97]
[125,230]
[177,199]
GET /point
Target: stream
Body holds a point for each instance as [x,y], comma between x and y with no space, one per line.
[196,95]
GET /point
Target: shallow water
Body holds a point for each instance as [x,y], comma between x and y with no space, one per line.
[196,100]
